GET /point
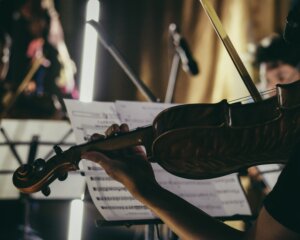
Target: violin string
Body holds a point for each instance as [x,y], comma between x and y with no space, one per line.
[249,98]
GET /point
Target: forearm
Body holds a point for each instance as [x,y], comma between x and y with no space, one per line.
[187,221]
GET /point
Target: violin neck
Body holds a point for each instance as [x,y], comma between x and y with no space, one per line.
[140,136]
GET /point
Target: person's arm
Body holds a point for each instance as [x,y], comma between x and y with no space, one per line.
[131,168]
[267,228]
[187,221]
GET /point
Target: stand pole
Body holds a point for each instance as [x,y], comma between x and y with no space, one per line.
[59,143]
[33,149]
[172,78]
[149,232]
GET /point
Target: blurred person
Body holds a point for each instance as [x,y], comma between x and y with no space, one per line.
[41,40]
[278,62]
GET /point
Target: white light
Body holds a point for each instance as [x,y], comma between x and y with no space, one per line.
[87,76]
[75,222]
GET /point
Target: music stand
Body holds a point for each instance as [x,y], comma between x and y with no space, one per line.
[20,141]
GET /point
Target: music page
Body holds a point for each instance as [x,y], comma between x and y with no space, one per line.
[219,197]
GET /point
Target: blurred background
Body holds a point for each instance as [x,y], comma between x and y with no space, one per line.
[42,44]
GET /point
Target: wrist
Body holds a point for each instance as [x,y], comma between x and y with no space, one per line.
[147,192]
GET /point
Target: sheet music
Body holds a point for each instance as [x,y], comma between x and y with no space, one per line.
[270,173]
[138,114]
[111,199]
[218,197]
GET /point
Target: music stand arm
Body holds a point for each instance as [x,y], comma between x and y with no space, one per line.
[11,146]
[122,63]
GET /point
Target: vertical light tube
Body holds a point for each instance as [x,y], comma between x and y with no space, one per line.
[87,76]
[75,222]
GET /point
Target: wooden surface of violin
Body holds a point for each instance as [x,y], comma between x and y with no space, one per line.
[195,141]
[201,141]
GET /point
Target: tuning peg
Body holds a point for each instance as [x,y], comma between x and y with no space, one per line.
[24,171]
[62,176]
[39,164]
[57,149]
[46,191]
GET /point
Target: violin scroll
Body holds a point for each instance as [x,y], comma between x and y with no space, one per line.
[30,178]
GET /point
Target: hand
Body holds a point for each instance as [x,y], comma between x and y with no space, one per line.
[128,166]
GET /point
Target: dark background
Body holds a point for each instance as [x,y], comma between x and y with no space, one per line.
[134,26]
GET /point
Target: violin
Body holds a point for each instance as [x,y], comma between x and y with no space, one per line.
[195,141]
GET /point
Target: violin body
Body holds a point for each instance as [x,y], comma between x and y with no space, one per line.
[195,141]
[201,141]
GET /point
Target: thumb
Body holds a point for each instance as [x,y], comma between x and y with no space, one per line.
[96,157]
[111,166]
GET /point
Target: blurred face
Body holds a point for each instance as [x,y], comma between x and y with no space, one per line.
[279,73]
[37,27]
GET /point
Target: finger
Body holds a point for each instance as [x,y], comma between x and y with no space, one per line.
[124,151]
[97,157]
[96,136]
[110,166]
[124,127]
[112,129]
[138,151]
[93,156]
